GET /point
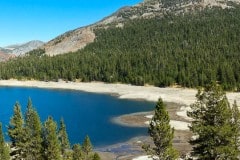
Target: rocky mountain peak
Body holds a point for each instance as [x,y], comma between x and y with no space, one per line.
[18,49]
[21,49]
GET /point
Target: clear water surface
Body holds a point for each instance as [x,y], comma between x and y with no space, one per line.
[84,113]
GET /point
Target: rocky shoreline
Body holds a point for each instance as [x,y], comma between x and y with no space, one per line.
[133,148]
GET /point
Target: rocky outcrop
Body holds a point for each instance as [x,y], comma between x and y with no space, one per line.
[70,41]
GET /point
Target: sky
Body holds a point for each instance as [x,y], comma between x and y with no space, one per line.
[25,20]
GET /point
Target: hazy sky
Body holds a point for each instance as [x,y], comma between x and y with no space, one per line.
[25,20]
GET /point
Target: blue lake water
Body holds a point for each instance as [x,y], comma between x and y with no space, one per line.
[84,113]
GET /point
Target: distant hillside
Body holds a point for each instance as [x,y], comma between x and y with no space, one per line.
[21,49]
[77,39]
[4,55]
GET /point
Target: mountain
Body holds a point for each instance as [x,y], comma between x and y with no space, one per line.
[4,54]
[77,39]
[178,47]
[18,49]
[21,49]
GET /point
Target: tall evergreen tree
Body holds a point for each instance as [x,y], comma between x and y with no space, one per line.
[33,135]
[51,144]
[63,137]
[236,125]
[213,125]
[87,145]
[16,132]
[27,128]
[162,134]
[96,157]
[77,152]
[4,149]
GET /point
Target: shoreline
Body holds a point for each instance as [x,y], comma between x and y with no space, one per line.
[142,119]
[122,91]
[120,120]
[183,96]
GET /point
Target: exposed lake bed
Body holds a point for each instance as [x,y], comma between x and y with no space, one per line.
[178,95]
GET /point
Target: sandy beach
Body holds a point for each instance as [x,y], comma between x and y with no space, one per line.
[177,95]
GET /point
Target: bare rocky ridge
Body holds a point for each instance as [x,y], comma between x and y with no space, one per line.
[21,49]
[70,41]
[18,49]
[77,39]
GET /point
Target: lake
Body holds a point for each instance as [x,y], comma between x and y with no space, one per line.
[84,113]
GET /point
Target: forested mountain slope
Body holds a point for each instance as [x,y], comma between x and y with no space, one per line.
[190,50]
[76,39]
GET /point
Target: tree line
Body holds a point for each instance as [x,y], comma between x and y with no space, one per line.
[189,50]
[29,139]
[215,126]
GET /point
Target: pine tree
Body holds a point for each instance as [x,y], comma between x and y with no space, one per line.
[87,145]
[33,135]
[68,155]
[236,125]
[51,143]
[161,134]
[16,132]
[96,156]
[77,152]
[4,149]
[213,125]
[63,137]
